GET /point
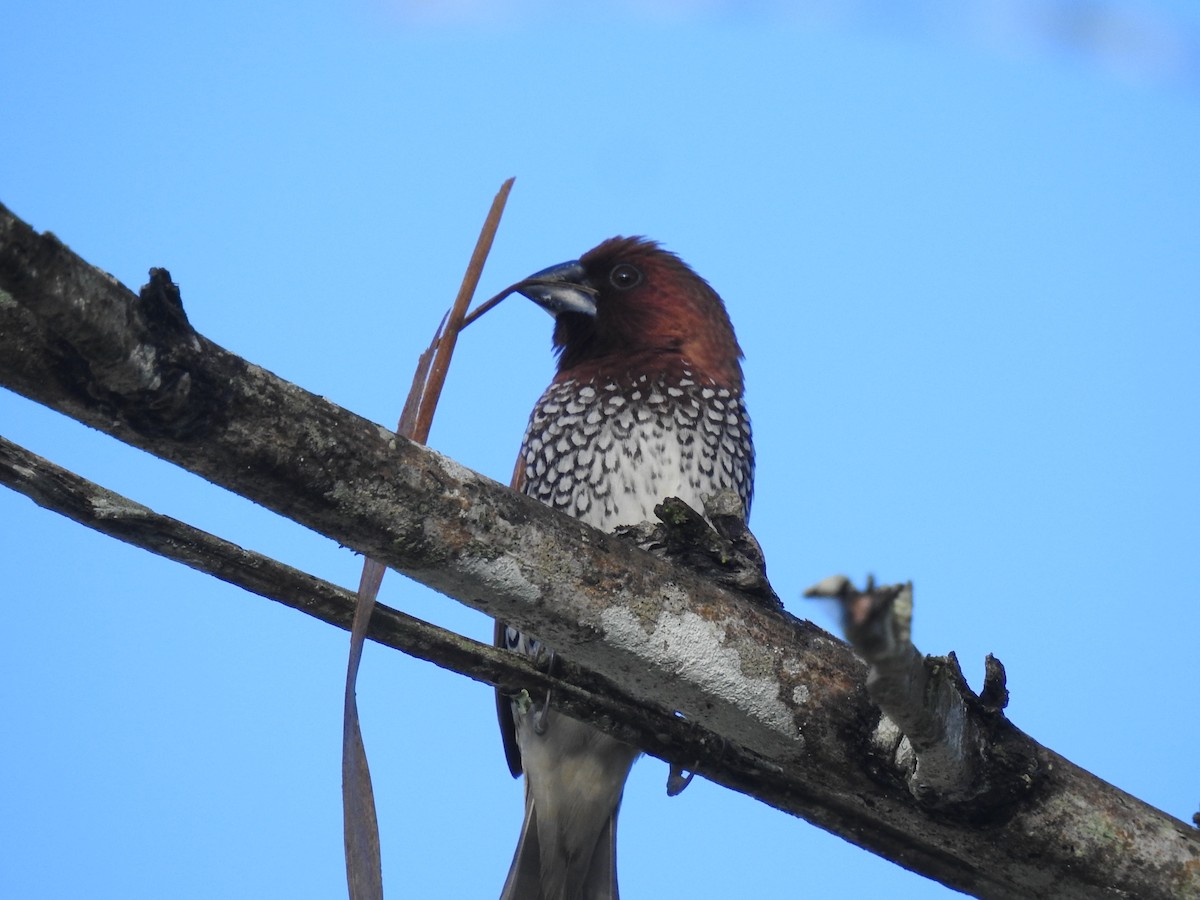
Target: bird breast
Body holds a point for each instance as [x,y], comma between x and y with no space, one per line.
[607,451]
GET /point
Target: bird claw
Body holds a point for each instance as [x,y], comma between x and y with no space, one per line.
[538,719]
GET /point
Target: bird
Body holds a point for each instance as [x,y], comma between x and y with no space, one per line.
[646,403]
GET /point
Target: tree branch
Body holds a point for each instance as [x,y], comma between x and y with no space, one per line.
[773,688]
[586,695]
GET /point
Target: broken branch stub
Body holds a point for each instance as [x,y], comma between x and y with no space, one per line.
[956,752]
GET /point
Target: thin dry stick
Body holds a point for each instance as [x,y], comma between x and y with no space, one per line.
[487,304]
[364,872]
[360,824]
[441,361]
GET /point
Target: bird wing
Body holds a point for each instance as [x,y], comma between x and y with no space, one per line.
[504,713]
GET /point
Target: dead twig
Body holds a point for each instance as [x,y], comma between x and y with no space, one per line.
[364,873]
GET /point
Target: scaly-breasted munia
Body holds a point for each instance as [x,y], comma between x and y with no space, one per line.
[647,404]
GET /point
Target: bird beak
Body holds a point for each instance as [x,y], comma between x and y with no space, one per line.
[561,289]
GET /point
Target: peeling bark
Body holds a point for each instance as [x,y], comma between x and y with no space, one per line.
[785,700]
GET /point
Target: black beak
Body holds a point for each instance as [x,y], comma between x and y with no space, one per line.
[561,289]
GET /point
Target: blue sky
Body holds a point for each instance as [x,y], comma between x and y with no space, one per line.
[961,246]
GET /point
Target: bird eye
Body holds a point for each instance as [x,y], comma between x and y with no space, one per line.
[624,276]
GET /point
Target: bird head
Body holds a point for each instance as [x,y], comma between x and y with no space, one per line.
[629,307]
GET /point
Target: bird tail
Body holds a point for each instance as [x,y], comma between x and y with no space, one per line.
[531,878]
